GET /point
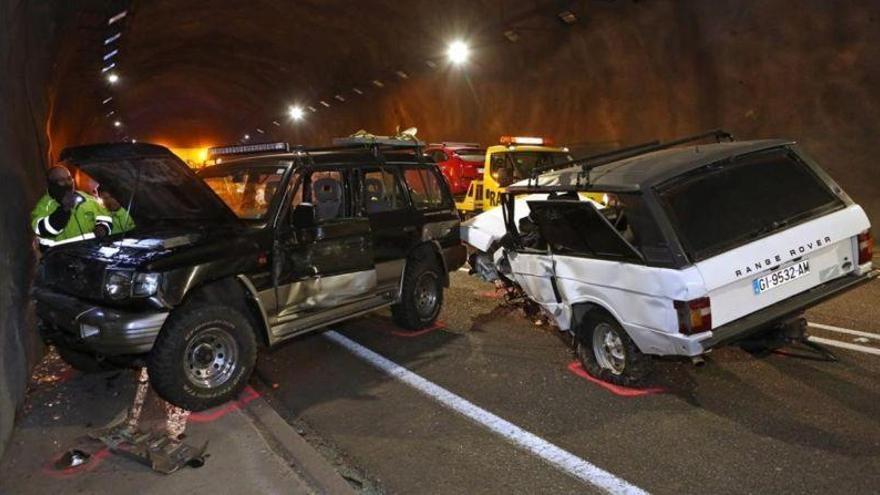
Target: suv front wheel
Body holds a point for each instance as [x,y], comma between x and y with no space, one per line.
[421,295]
[609,354]
[203,357]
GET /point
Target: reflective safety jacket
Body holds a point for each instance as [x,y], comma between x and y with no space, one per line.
[122,221]
[87,214]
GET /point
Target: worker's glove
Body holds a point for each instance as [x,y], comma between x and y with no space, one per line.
[70,200]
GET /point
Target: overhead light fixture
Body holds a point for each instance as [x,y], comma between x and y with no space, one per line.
[312,109]
[340,98]
[458,52]
[260,131]
[118,17]
[512,35]
[117,123]
[378,83]
[296,113]
[108,67]
[401,74]
[113,38]
[247,137]
[112,78]
[358,91]
[111,54]
[107,100]
[134,140]
[567,17]
[431,64]
[322,102]
[276,123]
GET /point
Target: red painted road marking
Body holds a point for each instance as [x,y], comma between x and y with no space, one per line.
[248,395]
[50,470]
[408,335]
[578,369]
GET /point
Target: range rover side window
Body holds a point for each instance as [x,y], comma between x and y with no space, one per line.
[577,228]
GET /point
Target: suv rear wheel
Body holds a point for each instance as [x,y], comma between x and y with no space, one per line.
[421,295]
[203,357]
[609,354]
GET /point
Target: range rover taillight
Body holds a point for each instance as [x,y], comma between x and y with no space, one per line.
[866,247]
[694,316]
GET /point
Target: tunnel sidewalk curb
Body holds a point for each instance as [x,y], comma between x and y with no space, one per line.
[308,463]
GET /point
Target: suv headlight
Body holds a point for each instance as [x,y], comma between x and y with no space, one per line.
[122,284]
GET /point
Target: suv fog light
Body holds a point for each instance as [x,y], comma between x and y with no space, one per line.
[86,330]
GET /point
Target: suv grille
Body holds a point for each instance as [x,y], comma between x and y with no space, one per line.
[73,275]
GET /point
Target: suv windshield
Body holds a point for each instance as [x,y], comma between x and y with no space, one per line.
[511,166]
[727,204]
[247,188]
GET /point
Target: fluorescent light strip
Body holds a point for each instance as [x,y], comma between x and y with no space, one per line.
[118,17]
[112,38]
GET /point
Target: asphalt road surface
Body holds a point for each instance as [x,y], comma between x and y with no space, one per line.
[490,403]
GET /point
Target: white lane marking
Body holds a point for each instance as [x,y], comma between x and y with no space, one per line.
[561,459]
[845,345]
[844,330]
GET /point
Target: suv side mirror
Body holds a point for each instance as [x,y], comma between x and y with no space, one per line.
[303,216]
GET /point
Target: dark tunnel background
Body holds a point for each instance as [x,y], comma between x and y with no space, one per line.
[206,72]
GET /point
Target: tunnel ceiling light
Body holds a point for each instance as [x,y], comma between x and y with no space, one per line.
[111,54]
[134,140]
[108,67]
[458,52]
[247,137]
[340,98]
[276,123]
[117,123]
[296,113]
[567,17]
[401,74]
[312,109]
[116,18]
[322,102]
[260,131]
[357,90]
[112,78]
[110,113]
[512,35]
[378,83]
[107,100]
[431,64]
[113,38]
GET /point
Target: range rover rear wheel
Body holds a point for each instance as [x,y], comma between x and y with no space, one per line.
[203,357]
[421,295]
[607,353]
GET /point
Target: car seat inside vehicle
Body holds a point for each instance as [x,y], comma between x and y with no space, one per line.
[328,198]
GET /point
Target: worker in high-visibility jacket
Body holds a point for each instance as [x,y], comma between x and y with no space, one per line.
[122,221]
[65,215]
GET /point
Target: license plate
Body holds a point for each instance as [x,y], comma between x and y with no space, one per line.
[780,277]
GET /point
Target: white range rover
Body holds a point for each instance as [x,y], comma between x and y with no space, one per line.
[690,247]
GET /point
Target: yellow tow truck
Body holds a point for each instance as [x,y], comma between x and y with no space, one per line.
[510,161]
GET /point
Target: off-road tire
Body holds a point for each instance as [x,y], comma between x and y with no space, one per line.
[409,313]
[167,362]
[636,366]
[83,361]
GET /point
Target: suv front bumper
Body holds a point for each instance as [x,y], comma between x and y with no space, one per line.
[765,318]
[78,324]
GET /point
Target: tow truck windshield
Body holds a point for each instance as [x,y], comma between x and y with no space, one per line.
[511,166]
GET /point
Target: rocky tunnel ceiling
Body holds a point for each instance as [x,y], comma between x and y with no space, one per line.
[208,72]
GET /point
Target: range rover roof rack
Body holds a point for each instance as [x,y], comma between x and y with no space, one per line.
[590,162]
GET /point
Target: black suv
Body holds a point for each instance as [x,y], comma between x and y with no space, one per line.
[254,250]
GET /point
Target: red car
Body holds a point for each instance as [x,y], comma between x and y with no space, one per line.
[460,162]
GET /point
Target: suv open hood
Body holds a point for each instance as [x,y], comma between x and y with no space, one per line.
[152,180]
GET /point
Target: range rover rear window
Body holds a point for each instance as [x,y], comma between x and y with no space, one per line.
[731,203]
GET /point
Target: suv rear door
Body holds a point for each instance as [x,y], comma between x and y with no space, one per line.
[765,214]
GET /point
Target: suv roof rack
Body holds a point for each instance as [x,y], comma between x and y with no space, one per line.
[377,140]
[590,162]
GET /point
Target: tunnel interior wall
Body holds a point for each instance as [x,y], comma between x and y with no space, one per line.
[631,72]
[26,29]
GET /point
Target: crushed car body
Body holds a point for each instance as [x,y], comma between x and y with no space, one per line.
[694,247]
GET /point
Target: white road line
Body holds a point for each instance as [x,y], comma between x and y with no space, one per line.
[845,345]
[857,333]
[559,458]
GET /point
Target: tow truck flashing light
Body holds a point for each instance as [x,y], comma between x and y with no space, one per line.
[245,149]
[526,140]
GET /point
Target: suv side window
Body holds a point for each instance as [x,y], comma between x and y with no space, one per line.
[325,189]
[381,191]
[425,189]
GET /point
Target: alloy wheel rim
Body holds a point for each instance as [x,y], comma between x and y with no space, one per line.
[211,358]
[426,294]
[608,349]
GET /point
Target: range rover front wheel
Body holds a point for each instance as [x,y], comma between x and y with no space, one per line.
[609,354]
[203,357]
